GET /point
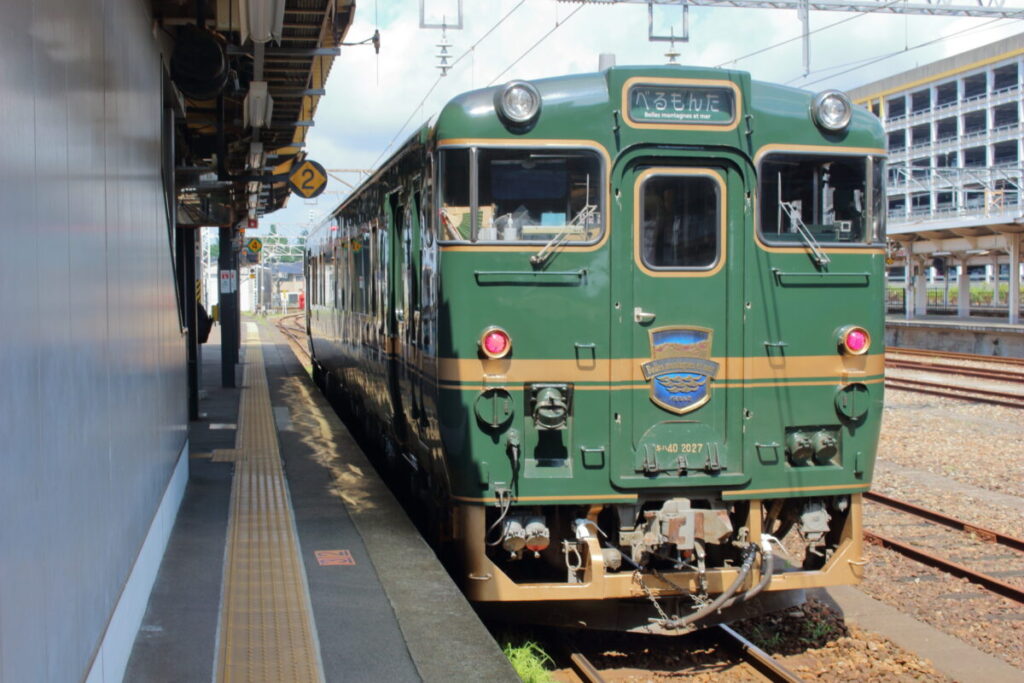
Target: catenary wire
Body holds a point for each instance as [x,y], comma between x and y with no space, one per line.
[544,37]
[893,54]
[437,82]
[799,37]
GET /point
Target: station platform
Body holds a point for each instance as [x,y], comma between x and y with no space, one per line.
[975,334]
[290,560]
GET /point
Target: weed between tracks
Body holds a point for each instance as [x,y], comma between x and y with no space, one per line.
[529,660]
[812,640]
[812,625]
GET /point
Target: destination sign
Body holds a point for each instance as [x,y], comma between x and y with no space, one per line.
[682,104]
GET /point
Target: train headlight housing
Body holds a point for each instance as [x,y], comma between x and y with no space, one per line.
[495,342]
[832,110]
[518,102]
[854,340]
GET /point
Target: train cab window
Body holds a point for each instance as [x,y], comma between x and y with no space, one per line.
[679,222]
[823,196]
[520,195]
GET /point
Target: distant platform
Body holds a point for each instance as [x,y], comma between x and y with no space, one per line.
[976,334]
[290,560]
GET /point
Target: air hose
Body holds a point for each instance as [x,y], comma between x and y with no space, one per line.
[718,603]
[728,598]
[767,570]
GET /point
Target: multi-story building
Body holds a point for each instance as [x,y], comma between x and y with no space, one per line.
[956,152]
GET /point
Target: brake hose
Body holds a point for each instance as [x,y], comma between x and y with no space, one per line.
[719,602]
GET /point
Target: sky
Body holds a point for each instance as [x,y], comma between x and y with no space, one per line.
[374,102]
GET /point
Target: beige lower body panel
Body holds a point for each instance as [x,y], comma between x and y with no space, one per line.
[484,581]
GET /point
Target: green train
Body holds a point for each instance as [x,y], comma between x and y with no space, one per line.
[622,329]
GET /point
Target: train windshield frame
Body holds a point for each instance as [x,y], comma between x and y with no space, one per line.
[521,195]
[837,198]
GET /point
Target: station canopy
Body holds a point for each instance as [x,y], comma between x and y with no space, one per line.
[243,78]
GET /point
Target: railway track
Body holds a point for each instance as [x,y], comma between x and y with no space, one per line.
[726,638]
[964,393]
[1006,375]
[291,327]
[1011,370]
[951,355]
[954,568]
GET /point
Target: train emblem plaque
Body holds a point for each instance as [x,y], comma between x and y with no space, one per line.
[680,370]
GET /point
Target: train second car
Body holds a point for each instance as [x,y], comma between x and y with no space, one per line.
[624,329]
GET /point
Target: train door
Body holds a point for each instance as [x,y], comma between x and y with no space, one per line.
[398,281]
[679,245]
[409,305]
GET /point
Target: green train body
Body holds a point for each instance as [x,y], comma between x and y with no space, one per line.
[676,259]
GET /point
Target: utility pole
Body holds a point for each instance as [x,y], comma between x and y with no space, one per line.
[230,321]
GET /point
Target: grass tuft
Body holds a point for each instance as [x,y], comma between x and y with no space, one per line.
[529,660]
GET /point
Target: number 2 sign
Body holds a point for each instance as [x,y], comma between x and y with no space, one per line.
[308,180]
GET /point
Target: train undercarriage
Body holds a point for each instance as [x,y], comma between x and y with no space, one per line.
[673,566]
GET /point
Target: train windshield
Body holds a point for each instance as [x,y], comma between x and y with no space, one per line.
[835,199]
[521,195]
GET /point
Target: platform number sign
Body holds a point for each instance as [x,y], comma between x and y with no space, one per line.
[308,180]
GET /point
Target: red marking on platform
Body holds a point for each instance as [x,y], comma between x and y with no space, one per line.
[328,558]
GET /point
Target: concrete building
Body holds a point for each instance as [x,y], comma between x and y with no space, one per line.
[956,145]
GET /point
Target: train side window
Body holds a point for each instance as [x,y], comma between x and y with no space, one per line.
[879,211]
[453,185]
[825,195]
[680,222]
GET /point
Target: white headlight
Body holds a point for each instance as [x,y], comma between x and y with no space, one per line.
[832,110]
[519,102]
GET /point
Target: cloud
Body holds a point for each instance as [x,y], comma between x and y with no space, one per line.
[370,97]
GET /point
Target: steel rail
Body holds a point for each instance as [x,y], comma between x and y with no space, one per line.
[962,393]
[955,354]
[981,532]
[587,672]
[924,557]
[294,333]
[765,664]
[985,373]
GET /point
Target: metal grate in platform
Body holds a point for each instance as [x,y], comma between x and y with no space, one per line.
[266,630]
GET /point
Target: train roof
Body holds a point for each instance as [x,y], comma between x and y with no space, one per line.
[589,107]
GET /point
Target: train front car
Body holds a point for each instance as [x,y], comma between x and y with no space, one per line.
[659,334]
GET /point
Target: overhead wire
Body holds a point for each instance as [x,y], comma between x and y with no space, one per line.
[437,82]
[809,33]
[857,64]
[905,50]
[558,25]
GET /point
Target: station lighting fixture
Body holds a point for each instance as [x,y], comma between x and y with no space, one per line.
[256,157]
[854,340]
[495,342]
[518,102]
[258,105]
[832,110]
[261,20]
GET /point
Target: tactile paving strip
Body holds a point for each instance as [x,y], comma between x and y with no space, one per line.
[266,626]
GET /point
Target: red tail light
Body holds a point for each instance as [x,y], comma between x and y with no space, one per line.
[495,342]
[854,340]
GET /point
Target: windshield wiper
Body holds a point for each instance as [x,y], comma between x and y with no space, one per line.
[575,226]
[820,257]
